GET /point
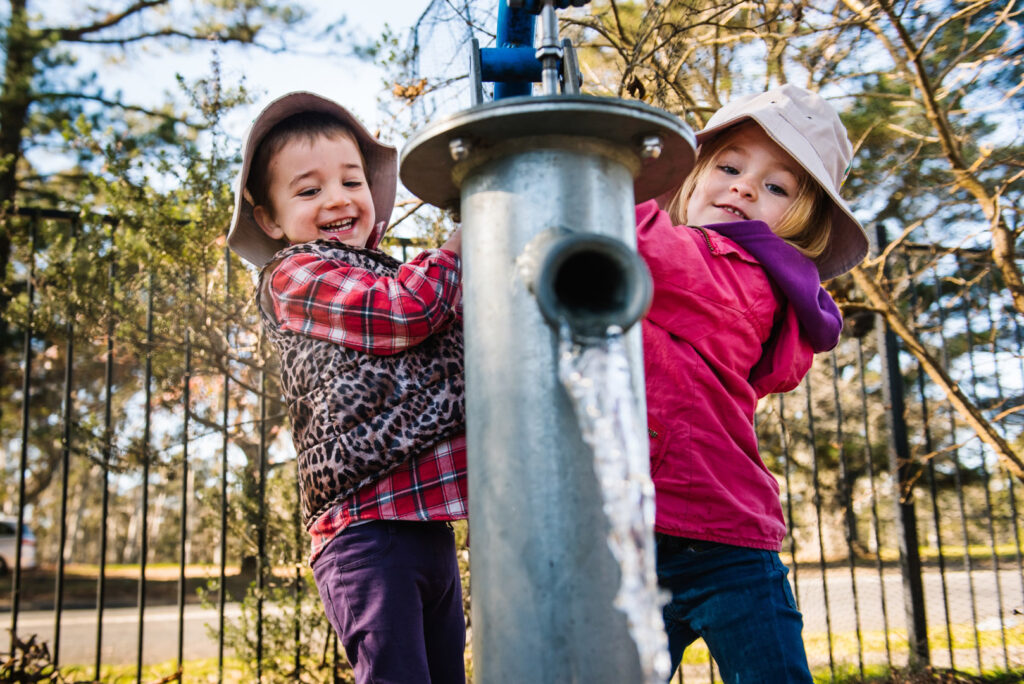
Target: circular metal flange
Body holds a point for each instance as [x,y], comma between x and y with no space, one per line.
[427,162]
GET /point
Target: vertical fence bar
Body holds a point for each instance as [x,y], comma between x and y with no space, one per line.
[261,532]
[297,585]
[1009,477]
[333,638]
[986,476]
[186,401]
[108,441]
[929,448]
[1001,402]
[983,468]
[221,599]
[790,520]
[822,567]
[900,466]
[146,453]
[65,455]
[958,481]
[875,523]
[849,519]
[26,405]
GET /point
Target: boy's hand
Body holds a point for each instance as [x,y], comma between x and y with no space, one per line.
[454,242]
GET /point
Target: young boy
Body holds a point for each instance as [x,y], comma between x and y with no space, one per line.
[372,372]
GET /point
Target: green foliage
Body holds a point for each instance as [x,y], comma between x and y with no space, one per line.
[285,625]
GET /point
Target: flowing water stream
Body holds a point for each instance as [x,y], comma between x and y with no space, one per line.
[598,378]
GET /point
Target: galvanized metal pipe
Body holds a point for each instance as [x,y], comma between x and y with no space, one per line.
[525,173]
[543,576]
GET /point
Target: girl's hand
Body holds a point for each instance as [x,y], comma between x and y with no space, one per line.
[454,242]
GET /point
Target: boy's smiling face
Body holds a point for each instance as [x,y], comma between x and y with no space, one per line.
[318,190]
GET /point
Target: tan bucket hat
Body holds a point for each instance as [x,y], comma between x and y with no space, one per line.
[245,236]
[809,129]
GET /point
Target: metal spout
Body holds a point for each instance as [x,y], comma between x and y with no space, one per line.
[588,281]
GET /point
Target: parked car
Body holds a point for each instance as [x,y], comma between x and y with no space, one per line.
[8,544]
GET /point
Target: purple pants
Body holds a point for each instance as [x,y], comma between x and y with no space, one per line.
[391,589]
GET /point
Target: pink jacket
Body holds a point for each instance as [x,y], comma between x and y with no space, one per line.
[728,325]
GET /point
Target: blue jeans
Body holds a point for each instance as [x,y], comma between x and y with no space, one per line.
[392,592]
[740,602]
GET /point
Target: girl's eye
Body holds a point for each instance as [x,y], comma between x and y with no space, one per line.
[353,184]
[731,170]
[777,190]
[308,192]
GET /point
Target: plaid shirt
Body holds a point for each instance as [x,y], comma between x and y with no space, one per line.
[338,303]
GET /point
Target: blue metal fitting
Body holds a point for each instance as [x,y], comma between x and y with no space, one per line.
[534,6]
[510,64]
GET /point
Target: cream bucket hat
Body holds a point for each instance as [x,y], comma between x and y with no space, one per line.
[809,129]
[245,236]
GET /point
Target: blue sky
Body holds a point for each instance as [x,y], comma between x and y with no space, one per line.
[147,75]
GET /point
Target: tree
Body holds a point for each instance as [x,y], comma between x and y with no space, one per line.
[47,98]
[118,156]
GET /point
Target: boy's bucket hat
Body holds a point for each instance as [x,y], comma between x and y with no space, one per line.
[245,236]
[809,129]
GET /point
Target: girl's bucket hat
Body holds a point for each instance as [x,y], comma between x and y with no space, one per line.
[245,236]
[809,129]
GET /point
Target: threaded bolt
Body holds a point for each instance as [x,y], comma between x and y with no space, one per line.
[459,148]
[651,146]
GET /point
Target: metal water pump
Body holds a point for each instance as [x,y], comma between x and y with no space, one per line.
[545,185]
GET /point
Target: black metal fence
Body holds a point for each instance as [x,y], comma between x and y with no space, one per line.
[144,445]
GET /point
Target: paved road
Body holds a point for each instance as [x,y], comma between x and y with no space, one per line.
[983,610]
[985,606]
[78,627]
[120,633]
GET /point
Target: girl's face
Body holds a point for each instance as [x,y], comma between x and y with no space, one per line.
[751,178]
[318,190]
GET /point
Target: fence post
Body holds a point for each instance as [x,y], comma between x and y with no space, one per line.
[26,406]
[901,469]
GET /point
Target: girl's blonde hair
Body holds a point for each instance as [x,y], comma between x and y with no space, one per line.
[806,224]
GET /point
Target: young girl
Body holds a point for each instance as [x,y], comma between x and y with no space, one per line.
[738,313]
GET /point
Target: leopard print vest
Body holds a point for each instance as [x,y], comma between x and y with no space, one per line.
[355,416]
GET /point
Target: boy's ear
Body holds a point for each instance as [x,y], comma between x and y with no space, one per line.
[267,223]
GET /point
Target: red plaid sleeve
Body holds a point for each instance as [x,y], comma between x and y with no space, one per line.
[333,301]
